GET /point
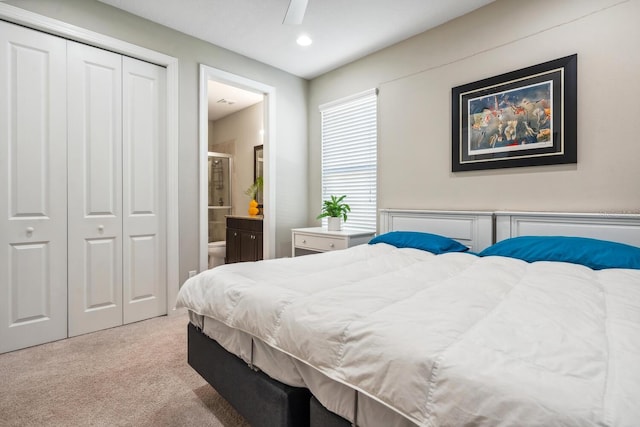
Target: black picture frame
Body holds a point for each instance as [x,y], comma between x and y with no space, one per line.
[521,118]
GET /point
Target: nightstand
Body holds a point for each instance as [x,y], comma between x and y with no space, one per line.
[318,239]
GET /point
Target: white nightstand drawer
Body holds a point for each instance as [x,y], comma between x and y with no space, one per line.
[319,243]
[317,239]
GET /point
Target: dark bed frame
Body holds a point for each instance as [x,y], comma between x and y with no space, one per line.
[266,402]
[261,400]
[319,416]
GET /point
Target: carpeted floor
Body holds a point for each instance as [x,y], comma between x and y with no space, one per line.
[133,375]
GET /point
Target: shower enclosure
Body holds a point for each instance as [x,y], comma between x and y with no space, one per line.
[220,168]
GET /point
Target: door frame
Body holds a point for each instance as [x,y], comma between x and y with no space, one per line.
[269,92]
[53,26]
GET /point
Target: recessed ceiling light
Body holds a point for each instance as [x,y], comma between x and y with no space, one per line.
[304,40]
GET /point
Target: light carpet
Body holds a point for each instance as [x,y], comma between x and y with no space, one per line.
[132,375]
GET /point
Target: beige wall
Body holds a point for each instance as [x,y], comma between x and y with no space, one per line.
[243,128]
[291,116]
[415,78]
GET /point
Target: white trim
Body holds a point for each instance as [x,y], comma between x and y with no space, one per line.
[355,96]
[52,26]
[68,31]
[269,226]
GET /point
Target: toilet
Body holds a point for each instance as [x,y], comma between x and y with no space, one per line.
[217,253]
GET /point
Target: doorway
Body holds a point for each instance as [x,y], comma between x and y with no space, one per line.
[215,83]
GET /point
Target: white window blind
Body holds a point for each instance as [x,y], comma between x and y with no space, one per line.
[349,156]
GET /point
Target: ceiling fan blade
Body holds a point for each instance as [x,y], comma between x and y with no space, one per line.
[295,12]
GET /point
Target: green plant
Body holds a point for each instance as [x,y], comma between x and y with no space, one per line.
[255,188]
[335,208]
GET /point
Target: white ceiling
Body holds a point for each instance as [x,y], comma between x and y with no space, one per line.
[342,30]
[225,99]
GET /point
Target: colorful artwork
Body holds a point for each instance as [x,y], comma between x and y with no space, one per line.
[512,120]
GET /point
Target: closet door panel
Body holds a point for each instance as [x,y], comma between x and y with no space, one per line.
[143,276]
[33,202]
[102,288]
[95,189]
[144,154]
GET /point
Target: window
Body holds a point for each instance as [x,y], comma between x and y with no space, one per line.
[349,156]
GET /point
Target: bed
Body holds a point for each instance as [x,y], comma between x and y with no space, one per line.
[431,336]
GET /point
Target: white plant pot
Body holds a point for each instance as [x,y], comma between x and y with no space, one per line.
[334,223]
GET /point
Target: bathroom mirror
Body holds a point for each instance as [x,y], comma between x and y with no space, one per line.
[258,170]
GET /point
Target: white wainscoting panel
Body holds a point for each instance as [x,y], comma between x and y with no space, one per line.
[471,228]
[622,228]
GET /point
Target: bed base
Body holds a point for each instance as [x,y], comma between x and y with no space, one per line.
[319,416]
[261,400]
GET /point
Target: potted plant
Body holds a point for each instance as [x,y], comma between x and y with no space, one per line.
[252,192]
[334,209]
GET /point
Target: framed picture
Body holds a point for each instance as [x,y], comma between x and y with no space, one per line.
[522,118]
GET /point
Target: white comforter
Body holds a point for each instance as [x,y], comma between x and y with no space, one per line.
[447,340]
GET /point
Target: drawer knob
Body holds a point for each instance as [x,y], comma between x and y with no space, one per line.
[304,241]
[331,245]
[30,230]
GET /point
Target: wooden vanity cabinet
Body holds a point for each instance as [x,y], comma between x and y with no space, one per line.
[244,239]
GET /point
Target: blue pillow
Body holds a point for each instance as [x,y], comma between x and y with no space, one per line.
[426,241]
[593,253]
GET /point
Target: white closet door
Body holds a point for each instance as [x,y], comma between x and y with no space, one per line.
[95,188]
[33,188]
[144,188]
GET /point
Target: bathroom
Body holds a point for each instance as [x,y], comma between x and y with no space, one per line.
[235,138]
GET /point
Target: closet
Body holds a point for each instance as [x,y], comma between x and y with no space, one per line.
[82,201]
